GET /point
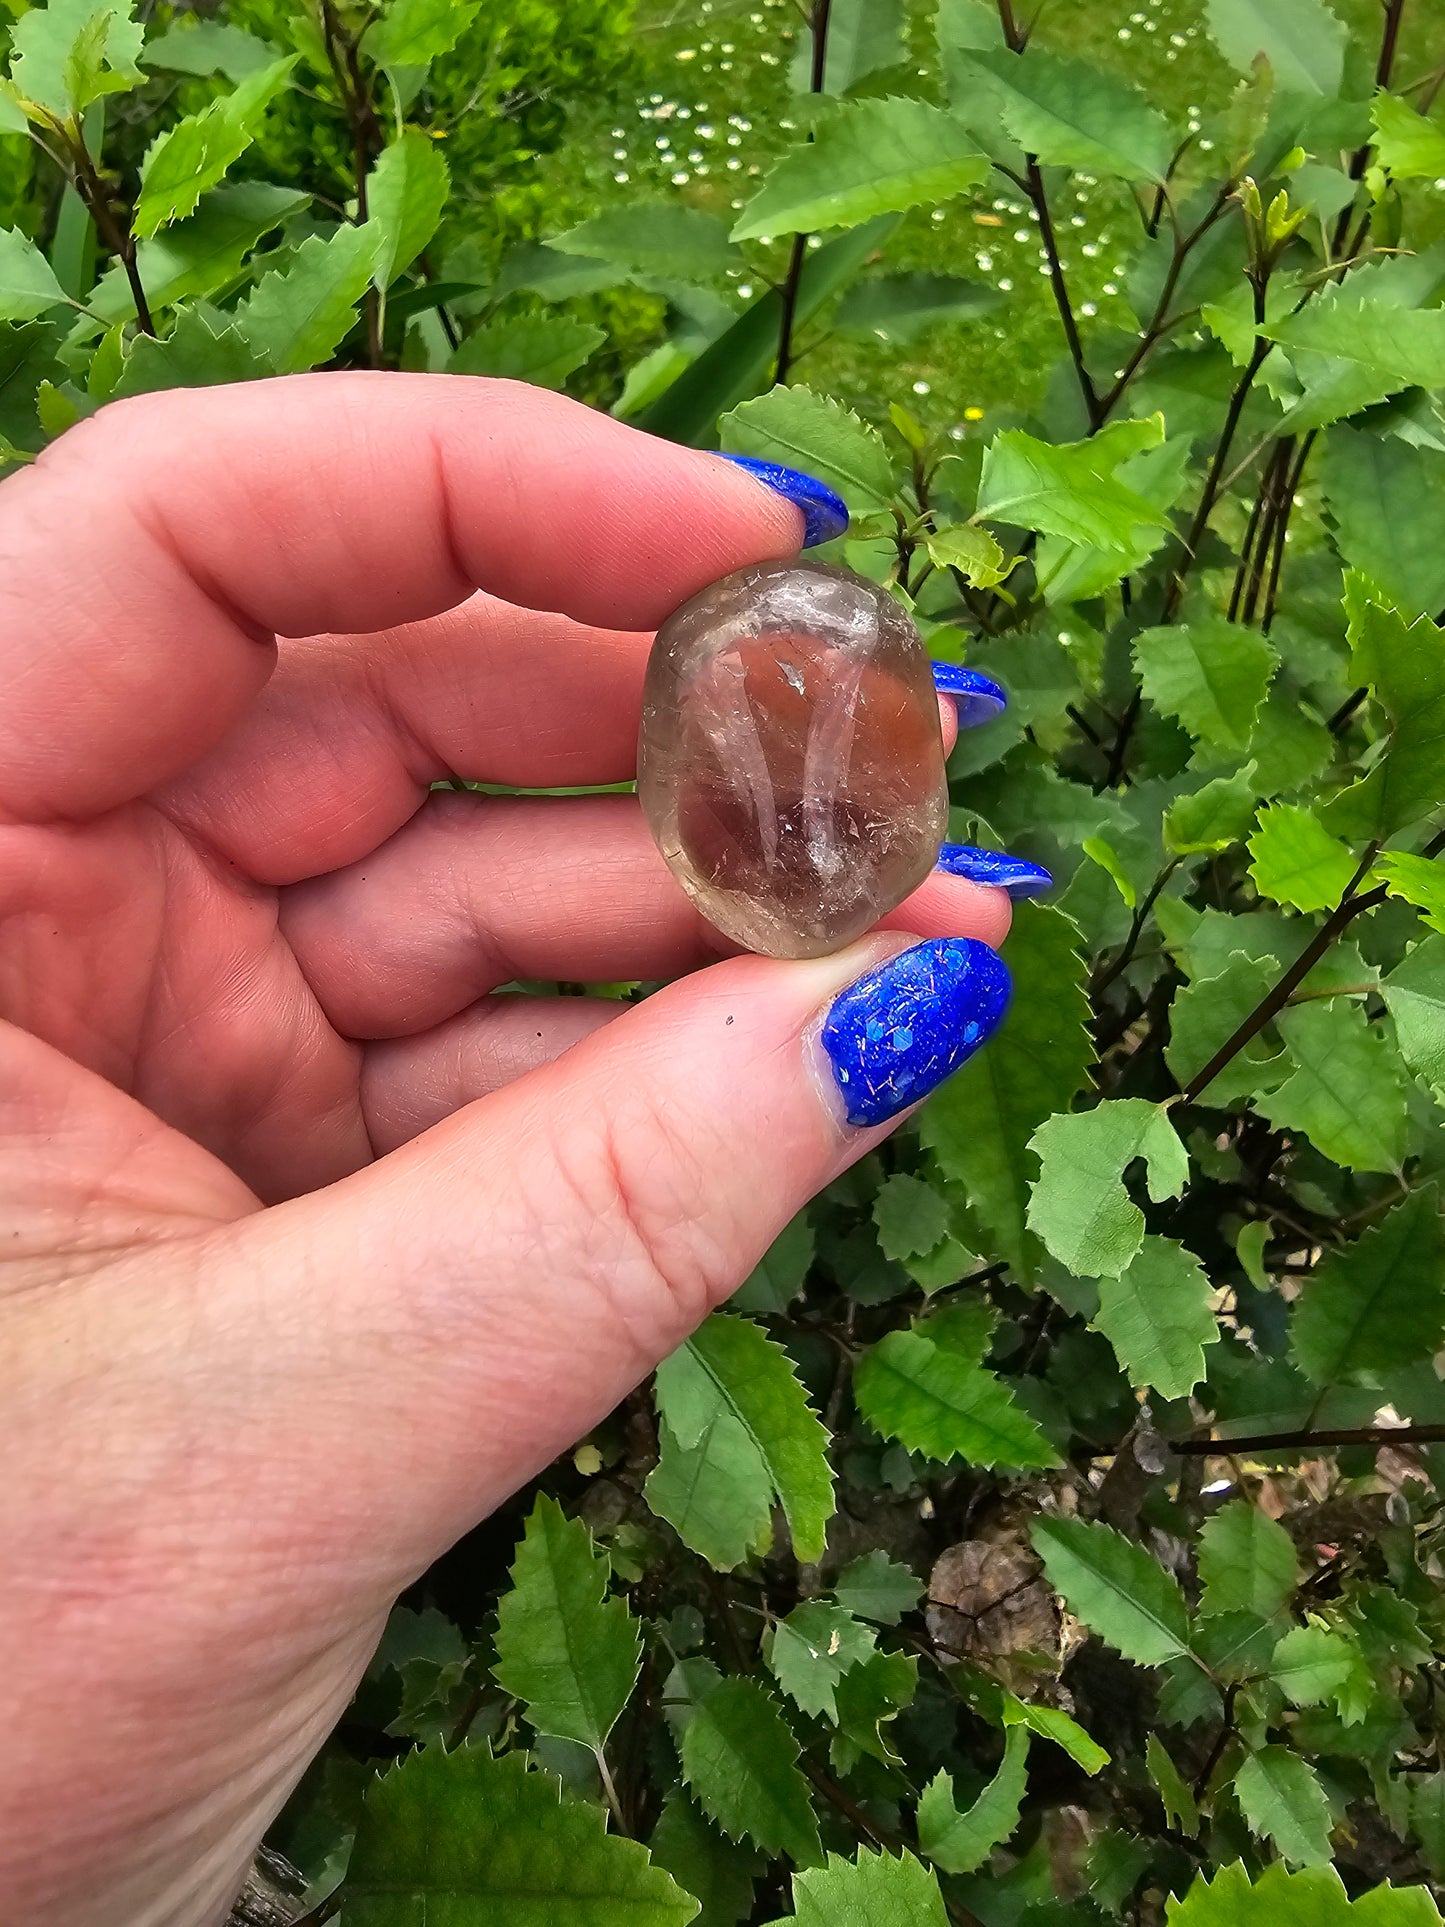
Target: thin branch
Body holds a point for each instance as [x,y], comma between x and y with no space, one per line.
[1136,930]
[1303,1441]
[793,280]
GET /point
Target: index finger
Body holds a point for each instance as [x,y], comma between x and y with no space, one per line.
[150,557]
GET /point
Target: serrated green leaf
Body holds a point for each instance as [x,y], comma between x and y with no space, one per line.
[1414,994]
[1281,1798]
[715,1871]
[1311,1663]
[1415,879]
[28,286]
[945,1405]
[299,315]
[1210,674]
[980,1123]
[541,349]
[878,1588]
[1302,40]
[960,1842]
[1378,1304]
[812,1649]
[972,550]
[1071,113]
[910,1215]
[740,1762]
[1180,1807]
[1114,1586]
[1379,492]
[484,1842]
[1345,1092]
[1407,142]
[1247,1562]
[732,1404]
[870,1697]
[201,255]
[197,353]
[1213,817]
[781,1272]
[406,192]
[1079,1206]
[803,429]
[1070,572]
[205,47]
[71,52]
[1294,860]
[1404,665]
[1072,489]
[1352,351]
[875,1890]
[412,33]
[864,37]
[566,1650]
[1312,1898]
[897,307]
[662,237]
[869,157]
[1207,1012]
[189,159]
[1158,1317]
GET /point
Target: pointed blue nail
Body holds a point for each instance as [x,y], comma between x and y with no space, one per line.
[977,698]
[1012,873]
[893,1036]
[825,514]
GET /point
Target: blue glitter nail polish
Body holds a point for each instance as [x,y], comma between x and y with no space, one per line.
[893,1036]
[825,514]
[977,698]
[1012,873]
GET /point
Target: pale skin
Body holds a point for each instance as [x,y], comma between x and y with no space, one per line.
[311,1250]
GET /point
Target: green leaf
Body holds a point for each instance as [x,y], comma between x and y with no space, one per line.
[299,315]
[870,1696]
[781,1272]
[190,158]
[1414,994]
[1379,492]
[1247,1562]
[714,1870]
[1294,859]
[1219,814]
[197,353]
[1114,1586]
[897,307]
[199,256]
[1378,1304]
[1211,674]
[1311,1663]
[875,1890]
[960,1842]
[869,157]
[1302,40]
[1346,1092]
[980,1123]
[661,237]
[1312,1898]
[945,1405]
[1180,1807]
[1352,351]
[1050,1724]
[1072,489]
[1404,665]
[1071,113]
[864,37]
[566,1650]
[910,1215]
[739,1425]
[27,281]
[71,52]
[542,349]
[1079,1206]
[1070,572]
[406,192]
[412,33]
[740,1761]
[1158,1317]
[812,1649]
[877,1587]
[204,47]
[476,1841]
[1207,1012]
[1415,879]
[1409,144]
[971,550]
[1281,1798]
[803,429]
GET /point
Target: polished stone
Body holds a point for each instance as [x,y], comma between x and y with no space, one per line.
[791,758]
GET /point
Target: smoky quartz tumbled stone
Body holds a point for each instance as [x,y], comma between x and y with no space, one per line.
[791,759]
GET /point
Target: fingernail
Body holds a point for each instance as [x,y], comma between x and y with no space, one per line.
[977,698]
[825,514]
[1012,873]
[895,1034]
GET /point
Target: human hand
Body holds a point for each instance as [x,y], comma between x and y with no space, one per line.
[314,1250]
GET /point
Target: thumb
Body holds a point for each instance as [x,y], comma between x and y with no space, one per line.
[485,1295]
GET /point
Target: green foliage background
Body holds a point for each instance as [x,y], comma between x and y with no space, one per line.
[1048,1533]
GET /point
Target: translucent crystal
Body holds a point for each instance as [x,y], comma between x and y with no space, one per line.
[791,759]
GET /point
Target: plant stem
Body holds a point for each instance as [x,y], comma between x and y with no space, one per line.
[1179,575]
[818,22]
[120,240]
[1306,1441]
